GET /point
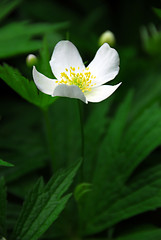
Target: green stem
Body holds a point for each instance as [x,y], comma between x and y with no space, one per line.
[49,137]
[82,136]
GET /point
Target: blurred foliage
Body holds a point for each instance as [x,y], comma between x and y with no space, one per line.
[120,189]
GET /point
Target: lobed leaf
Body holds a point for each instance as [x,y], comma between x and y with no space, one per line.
[123,149]
[43,205]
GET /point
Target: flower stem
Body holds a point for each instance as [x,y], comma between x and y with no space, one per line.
[49,136]
[82,136]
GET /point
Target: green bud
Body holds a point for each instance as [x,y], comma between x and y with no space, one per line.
[107,37]
[31,60]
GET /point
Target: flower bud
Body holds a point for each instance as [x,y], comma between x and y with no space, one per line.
[31,60]
[107,37]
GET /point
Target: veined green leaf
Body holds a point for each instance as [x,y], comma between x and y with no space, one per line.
[25,88]
[142,137]
[43,205]
[141,195]
[105,170]
[6,164]
[121,152]
[109,150]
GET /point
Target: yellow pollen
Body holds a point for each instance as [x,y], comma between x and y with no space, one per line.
[81,79]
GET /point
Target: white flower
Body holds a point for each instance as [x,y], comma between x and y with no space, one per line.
[73,79]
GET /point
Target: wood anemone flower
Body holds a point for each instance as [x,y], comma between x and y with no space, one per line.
[73,79]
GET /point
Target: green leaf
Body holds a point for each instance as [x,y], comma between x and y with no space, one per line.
[142,137]
[157,11]
[7,7]
[151,39]
[148,234]
[22,140]
[125,146]
[81,189]
[43,205]
[142,194]
[105,170]
[2,207]
[6,164]
[66,121]
[109,149]
[25,88]
[16,38]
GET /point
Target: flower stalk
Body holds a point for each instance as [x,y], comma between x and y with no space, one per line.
[49,137]
[82,137]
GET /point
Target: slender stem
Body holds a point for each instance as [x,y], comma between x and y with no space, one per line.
[49,137]
[82,136]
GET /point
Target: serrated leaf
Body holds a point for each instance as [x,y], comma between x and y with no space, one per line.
[42,207]
[6,164]
[2,207]
[25,88]
[27,207]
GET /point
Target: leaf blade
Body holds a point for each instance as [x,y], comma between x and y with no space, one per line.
[5,164]
[46,206]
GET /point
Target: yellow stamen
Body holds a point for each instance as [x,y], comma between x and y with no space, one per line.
[81,79]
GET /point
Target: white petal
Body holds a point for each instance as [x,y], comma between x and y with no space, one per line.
[105,65]
[43,83]
[71,91]
[65,55]
[100,93]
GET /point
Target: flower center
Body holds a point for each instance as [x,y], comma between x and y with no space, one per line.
[81,79]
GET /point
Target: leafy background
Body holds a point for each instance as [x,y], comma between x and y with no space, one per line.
[118,194]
